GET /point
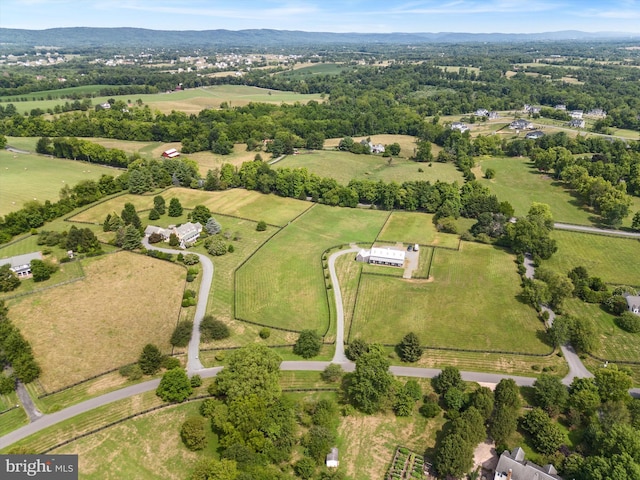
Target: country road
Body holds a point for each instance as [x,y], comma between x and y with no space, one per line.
[48,420]
[600,231]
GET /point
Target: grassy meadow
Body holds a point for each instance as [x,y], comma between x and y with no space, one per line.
[345,166]
[283,284]
[191,100]
[414,227]
[27,177]
[610,258]
[102,321]
[471,302]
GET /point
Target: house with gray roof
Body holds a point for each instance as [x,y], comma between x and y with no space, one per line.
[577,123]
[187,233]
[520,124]
[513,466]
[21,264]
[382,256]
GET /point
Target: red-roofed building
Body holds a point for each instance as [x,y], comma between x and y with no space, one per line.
[171,153]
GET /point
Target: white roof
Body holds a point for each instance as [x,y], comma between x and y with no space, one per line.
[387,253]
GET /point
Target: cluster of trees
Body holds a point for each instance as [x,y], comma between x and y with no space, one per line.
[80,240]
[78,149]
[16,352]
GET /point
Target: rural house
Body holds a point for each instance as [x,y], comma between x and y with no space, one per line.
[482,112]
[633,302]
[513,466]
[187,233]
[577,123]
[520,124]
[536,134]
[21,264]
[382,256]
[576,114]
[461,127]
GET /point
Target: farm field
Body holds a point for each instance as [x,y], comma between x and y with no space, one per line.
[238,202]
[413,227]
[148,446]
[517,182]
[283,284]
[103,321]
[407,143]
[615,343]
[609,258]
[27,177]
[189,101]
[345,166]
[474,289]
[301,71]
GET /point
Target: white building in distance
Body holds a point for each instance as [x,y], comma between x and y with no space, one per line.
[382,256]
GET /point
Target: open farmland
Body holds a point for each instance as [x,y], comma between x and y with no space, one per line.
[283,283]
[613,259]
[474,290]
[413,227]
[238,202]
[189,101]
[103,321]
[136,459]
[520,184]
[26,177]
[345,166]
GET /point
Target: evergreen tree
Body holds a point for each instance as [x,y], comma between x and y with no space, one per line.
[130,216]
[175,207]
[159,204]
[409,348]
[150,359]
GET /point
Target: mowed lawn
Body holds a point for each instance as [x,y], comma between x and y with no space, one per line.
[148,446]
[283,283]
[413,227]
[471,303]
[238,202]
[519,183]
[345,166]
[615,260]
[101,322]
[25,177]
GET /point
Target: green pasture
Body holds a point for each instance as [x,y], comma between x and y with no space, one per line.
[414,227]
[345,166]
[519,183]
[54,94]
[12,420]
[613,259]
[190,100]
[237,202]
[26,177]
[616,344]
[283,283]
[471,303]
[148,446]
[317,69]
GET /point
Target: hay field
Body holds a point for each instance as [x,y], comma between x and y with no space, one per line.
[345,166]
[283,283]
[103,321]
[470,303]
[613,259]
[27,177]
[238,202]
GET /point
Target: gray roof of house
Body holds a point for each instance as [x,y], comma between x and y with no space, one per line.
[20,260]
[633,300]
[188,228]
[333,454]
[523,469]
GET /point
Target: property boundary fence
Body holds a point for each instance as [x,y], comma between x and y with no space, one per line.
[623,362]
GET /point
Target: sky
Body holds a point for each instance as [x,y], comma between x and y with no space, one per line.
[370,16]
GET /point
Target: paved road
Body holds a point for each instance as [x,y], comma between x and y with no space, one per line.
[339,356]
[576,367]
[27,403]
[193,357]
[70,412]
[601,231]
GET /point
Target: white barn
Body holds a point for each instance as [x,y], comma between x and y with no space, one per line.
[382,256]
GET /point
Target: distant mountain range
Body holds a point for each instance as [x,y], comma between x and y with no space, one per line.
[119,37]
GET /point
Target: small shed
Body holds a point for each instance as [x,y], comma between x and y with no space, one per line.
[171,153]
[332,458]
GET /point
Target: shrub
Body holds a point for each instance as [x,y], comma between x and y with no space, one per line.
[174,386]
[489,173]
[215,245]
[191,259]
[447,225]
[193,433]
[153,214]
[261,226]
[332,374]
[7,384]
[629,321]
[132,372]
[213,329]
[231,249]
[429,410]
[308,344]
[265,333]
[196,381]
[150,359]
[169,363]
[182,334]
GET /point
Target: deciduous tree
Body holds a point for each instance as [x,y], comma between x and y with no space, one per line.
[174,386]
